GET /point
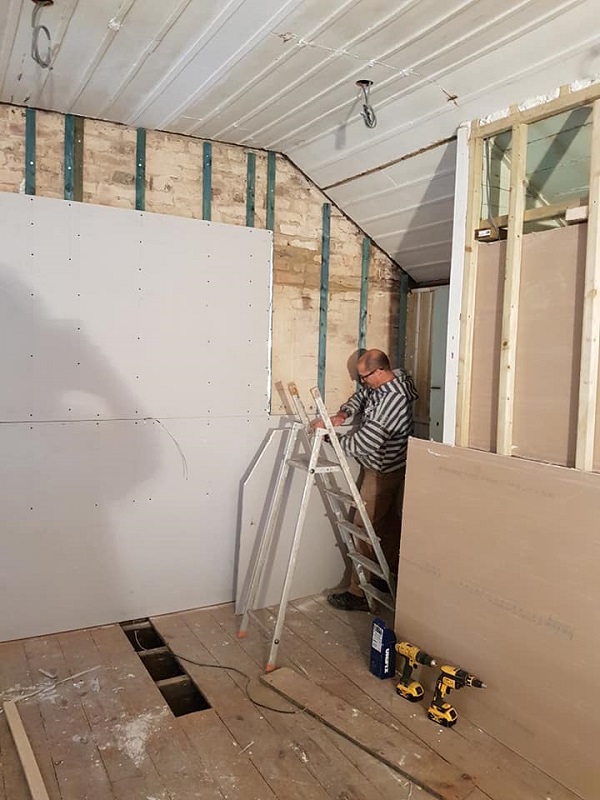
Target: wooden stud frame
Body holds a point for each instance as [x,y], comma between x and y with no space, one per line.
[518,121]
[590,349]
[565,101]
[512,284]
[467,317]
[538,213]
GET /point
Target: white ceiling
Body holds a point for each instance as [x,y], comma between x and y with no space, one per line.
[280,74]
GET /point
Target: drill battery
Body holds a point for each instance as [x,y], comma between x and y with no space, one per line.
[383,653]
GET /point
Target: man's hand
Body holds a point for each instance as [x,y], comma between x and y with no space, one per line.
[337,419]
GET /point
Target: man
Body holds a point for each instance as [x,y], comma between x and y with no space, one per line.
[383,410]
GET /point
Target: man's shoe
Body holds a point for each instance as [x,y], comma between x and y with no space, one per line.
[379,584]
[348,602]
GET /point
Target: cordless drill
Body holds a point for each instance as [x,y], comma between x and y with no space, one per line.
[407,688]
[450,678]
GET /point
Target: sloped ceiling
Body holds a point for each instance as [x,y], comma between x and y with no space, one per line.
[281,74]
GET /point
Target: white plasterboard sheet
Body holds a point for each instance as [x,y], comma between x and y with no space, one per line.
[320,562]
[115,520]
[125,431]
[111,313]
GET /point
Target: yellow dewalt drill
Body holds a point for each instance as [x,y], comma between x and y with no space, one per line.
[450,678]
[407,688]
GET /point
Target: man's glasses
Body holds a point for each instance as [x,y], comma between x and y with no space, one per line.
[362,378]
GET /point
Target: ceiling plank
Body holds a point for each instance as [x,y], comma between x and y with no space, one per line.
[218,49]
[8,39]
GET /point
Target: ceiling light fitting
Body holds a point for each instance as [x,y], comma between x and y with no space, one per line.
[367,113]
[36,29]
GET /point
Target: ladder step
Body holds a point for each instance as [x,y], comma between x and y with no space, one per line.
[343,497]
[359,533]
[322,465]
[382,597]
[367,563]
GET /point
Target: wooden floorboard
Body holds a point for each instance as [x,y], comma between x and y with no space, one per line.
[79,769]
[307,739]
[108,734]
[310,663]
[14,680]
[496,769]
[232,769]
[165,753]
[271,754]
[415,762]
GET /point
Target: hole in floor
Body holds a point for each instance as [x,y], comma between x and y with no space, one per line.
[179,690]
[182,695]
[142,635]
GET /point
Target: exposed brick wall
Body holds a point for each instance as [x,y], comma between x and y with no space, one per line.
[12,149]
[174,186]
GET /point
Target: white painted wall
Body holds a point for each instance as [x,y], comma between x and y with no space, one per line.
[461,188]
[135,372]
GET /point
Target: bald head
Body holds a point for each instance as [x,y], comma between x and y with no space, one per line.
[373,359]
[374,369]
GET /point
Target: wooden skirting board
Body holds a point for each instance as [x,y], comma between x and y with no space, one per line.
[413,760]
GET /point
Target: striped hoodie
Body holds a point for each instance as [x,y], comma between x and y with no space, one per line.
[385,421]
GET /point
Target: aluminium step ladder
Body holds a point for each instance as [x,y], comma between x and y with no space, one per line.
[320,471]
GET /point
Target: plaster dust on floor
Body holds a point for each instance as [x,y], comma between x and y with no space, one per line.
[130,737]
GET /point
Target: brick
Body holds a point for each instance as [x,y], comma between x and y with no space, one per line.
[174,186]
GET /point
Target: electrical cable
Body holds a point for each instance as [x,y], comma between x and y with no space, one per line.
[228,669]
[246,687]
[184,463]
[36,29]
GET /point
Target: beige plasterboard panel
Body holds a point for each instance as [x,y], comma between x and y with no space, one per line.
[549,345]
[498,575]
[597,434]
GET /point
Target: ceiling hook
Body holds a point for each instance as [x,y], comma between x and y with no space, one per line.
[367,113]
[43,61]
